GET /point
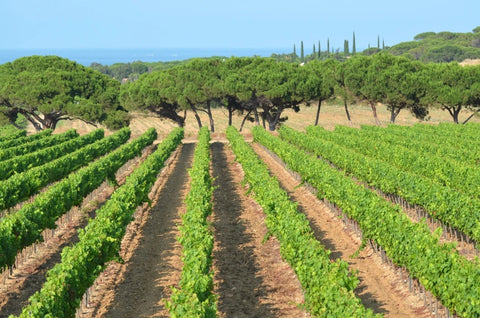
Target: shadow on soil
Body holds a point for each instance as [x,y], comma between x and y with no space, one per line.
[239,287]
[367,299]
[139,294]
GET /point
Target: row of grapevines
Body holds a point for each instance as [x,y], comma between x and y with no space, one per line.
[328,285]
[21,186]
[451,207]
[9,134]
[37,144]
[20,164]
[195,297]
[441,132]
[20,138]
[100,241]
[430,143]
[445,171]
[468,132]
[23,228]
[447,275]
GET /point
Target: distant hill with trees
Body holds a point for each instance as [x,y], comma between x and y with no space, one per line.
[440,47]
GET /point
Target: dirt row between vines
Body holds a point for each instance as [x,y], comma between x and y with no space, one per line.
[150,252]
[251,278]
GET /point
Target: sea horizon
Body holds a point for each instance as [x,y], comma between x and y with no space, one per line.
[111,56]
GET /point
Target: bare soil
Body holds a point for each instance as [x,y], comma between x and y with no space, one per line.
[470,62]
[151,253]
[380,288]
[251,278]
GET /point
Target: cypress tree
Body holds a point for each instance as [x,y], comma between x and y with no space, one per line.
[319,49]
[328,47]
[378,42]
[354,48]
[294,52]
[383,44]
[314,52]
[302,57]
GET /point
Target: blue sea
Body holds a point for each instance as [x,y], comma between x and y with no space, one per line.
[112,56]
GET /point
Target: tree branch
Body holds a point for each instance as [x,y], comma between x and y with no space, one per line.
[78,118]
[30,119]
[202,110]
[469,117]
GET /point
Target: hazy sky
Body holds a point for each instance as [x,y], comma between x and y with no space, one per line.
[225,24]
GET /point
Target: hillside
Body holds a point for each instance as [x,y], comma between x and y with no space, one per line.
[441,47]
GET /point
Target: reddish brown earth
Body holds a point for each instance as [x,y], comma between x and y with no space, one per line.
[150,251]
[251,278]
[380,288]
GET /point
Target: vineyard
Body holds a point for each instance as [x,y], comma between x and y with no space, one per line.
[349,222]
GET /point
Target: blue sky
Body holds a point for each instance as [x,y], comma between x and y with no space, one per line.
[136,24]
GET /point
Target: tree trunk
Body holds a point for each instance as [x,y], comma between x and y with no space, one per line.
[184,117]
[50,121]
[273,122]
[318,111]
[455,116]
[454,112]
[394,111]
[53,124]
[210,117]
[264,115]
[197,117]
[244,119]
[374,111]
[255,112]
[272,125]
[181,120]
[230,115]
[347,112]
